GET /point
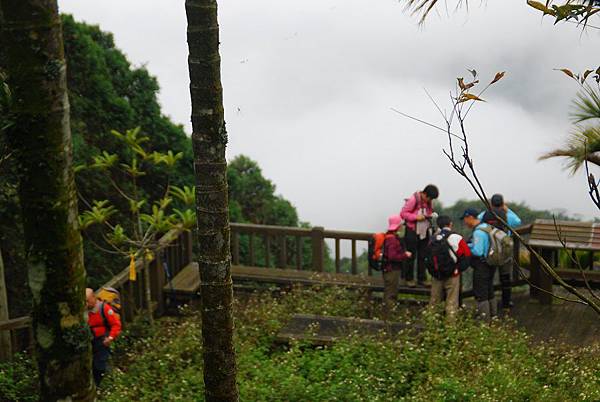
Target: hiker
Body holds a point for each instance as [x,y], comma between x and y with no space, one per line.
[500,208]
[395,254]
[447,256]
[483,273]
[106,326]
[417,213]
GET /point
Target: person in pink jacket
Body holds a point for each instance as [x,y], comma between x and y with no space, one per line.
[417,213]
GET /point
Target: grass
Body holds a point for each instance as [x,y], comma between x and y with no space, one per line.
[465,361]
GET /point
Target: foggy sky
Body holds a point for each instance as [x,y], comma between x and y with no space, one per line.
[308,87]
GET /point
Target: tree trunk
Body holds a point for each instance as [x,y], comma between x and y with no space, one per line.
[33,55]
[5,342]
[209,142]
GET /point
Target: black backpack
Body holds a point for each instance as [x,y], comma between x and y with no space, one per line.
[438,258]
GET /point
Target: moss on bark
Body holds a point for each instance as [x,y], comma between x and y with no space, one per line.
[209,142]
[40,138]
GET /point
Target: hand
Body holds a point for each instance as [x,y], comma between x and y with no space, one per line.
[108,340]
[408,254]
[420,218]
[505,208]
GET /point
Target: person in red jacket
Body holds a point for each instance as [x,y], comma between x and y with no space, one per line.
[394,254]
[105,325]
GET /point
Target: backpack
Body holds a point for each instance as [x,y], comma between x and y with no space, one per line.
[501,246]
[438,256]
[112,297]
[490,218]
[375,252]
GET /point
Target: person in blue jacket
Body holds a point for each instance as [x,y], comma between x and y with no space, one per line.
[483,273]
[500,208]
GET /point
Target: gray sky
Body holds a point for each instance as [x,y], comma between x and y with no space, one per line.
[308,87]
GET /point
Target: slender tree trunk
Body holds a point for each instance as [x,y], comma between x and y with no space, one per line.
[209,142]
[32,52]
[5,342]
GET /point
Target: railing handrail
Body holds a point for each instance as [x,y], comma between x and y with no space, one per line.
[122,277]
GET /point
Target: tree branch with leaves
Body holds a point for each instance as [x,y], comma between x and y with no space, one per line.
[459,155]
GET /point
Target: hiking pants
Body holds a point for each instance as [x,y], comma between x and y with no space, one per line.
[100,355]
[417,247]
[391,280]
[451,286]
[483,288]
[505,282]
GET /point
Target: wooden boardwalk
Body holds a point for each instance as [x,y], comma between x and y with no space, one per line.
[187,283]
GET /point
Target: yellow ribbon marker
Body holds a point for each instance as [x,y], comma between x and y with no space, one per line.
[132,273]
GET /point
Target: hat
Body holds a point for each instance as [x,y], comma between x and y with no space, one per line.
[497,200]
[470,212]
[394,222]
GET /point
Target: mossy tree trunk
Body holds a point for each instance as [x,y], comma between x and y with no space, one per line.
[40,138]
[209,141]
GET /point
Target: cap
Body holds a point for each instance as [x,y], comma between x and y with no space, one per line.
[470,212]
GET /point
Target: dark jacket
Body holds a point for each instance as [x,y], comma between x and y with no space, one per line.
[394,252]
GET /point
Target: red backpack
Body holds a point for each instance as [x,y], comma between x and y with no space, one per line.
[376,255]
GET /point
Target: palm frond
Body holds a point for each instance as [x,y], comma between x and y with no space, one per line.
[586,104]
[424,7]
[583,144]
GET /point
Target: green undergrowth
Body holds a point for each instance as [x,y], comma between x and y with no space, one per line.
[464,361]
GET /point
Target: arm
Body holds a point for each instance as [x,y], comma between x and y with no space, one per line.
[512,219]
[463,249]
[114,322]
[480,243]
[408,211]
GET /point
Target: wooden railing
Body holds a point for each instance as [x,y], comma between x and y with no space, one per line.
[175,249]
[294,248]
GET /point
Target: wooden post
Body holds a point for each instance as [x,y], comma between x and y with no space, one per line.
[534,275]
[282,251]
[546,280]
[337,255]
[267,251]
[251,250]
[235,247]
[189,250]
[5,342]
[354,261]
[591,263]
[317,236]
[298,253]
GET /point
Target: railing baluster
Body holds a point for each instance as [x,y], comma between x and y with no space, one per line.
[282,251]
[267,251]
[235,245]
[337,255]
[317,248]
[354,265]
[251,249]
[299,253]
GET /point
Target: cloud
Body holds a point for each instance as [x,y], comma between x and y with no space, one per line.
[308,87]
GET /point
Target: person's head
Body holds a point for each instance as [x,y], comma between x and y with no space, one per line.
[394,223]
[469,218]
[444,221]
[90,298]
[430,192]
[497,200]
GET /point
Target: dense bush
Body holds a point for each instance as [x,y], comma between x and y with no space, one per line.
[460,362]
